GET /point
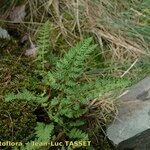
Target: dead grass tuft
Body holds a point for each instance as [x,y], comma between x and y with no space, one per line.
[102,110]
[106,20]
[121,26]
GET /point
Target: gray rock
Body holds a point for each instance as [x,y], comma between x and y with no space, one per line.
[133,117]
[138,90]
[138,142]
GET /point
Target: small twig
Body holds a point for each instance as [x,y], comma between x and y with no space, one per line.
[77,18]
[12,129]
[31,43]
[123,94]
[137,12]
[13,22]
[129,68]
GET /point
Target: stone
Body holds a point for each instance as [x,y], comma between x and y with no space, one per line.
[140,91]
[131,126]
[138,142]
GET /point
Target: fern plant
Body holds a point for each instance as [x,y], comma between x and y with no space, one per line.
[69,97]
[43,45]
[44,52]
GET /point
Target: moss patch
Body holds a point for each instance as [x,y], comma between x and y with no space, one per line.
[17,121]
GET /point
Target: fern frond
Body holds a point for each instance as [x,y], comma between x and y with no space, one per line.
[66,112]
[44,132]
[77,134]
[50,79]
[25,95]
[77,123]
[44,44]
[79,113]
[55,116]
[71,109]
[71,66]
[112,84]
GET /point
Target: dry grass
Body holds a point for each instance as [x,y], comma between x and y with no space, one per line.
[103,19]
[102,110]
[117,25]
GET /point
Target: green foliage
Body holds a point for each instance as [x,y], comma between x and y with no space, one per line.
[26,96]
[70,67]
[44,132]
[44,52]
[77,123]
[78,134]
[114,84]
[69,94]
[43,45]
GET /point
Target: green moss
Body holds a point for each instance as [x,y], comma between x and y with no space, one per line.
[17,121]
[16,70]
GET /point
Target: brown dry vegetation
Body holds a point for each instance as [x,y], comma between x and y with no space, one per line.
[112,23]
